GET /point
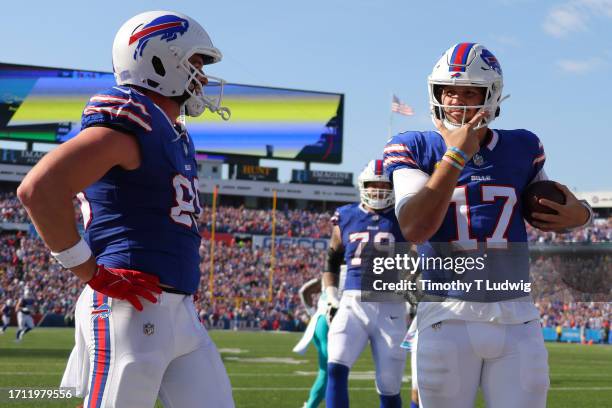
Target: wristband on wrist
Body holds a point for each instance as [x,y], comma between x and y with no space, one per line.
[459,151]
[458,159]
[452,162]
[73,256]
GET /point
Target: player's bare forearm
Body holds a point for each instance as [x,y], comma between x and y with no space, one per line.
[48,189]
[330,279]
[421,216]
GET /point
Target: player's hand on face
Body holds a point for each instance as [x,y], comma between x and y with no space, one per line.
[464,138]
[569,215]
[126,284]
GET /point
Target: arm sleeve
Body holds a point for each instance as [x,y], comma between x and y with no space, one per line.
[406,183]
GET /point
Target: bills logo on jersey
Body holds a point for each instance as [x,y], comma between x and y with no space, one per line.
[168,27]
[101,312]
[491,61]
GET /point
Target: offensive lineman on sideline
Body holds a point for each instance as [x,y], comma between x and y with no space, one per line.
[355,322]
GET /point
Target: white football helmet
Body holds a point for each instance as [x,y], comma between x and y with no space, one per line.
[466,64]
[152,51]
[375,198]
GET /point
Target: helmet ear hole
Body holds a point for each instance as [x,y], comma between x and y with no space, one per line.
[152,83]
[158,66]
[497,112]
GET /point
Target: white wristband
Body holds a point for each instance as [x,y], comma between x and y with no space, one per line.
[74,256]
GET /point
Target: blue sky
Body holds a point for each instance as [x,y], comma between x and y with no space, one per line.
[556,56]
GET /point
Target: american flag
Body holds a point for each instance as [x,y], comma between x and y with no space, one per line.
[400,107]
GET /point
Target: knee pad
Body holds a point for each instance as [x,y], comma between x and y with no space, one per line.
[388,382]
[438,368]
[534,365]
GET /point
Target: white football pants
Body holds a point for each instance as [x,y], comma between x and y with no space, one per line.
[126,358]
[384,324]
[509,362]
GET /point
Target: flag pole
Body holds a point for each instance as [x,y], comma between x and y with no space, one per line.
[390,119]
[211,280]
[272,246]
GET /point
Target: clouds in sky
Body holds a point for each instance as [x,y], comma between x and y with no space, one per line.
[574,16]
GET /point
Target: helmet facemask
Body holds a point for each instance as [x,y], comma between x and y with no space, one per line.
[466,64]
[197,100]
[376,198]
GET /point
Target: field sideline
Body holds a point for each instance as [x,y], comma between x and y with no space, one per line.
[264,373]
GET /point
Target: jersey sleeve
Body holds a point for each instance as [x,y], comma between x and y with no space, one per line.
[119,109]
[538,158]
[400,153]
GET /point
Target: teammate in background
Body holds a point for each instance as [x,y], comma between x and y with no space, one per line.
[355,322]
[25,308]
[461,187]
[133,167]
[7,309]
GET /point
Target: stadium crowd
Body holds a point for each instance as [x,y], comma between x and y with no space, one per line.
[242,295]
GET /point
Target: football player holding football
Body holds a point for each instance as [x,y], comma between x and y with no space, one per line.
[457,194]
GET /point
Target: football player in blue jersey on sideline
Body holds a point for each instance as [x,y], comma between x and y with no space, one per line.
[355,322]
[133,168]
[458,191]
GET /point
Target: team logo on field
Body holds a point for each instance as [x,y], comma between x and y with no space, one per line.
[148,328]
[101,312]
[167,27]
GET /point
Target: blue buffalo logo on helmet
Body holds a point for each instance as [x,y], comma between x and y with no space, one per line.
[168,27]
[491,60]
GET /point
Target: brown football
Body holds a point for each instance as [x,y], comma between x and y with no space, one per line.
[534,192]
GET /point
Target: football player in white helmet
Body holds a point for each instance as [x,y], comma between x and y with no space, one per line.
[153,50]
[458,189]
[138,336]
[354,322]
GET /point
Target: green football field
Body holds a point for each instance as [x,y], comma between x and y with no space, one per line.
[265,373]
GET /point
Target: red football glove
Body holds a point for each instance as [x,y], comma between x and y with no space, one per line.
[125,284]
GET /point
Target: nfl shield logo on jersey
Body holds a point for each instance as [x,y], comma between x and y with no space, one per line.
[148,328]
[478,160]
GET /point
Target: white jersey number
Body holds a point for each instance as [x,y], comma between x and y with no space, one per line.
[383,241]
[489,193]
[187,207]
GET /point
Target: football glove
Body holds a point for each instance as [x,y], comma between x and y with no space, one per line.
[125,284]
[333,303]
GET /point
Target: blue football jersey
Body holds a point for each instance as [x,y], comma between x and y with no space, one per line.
[485,211]
[145,219]
[358,227]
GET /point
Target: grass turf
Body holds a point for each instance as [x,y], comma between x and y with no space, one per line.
[265,373]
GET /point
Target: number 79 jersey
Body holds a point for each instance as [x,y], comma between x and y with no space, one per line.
[145,219]
[360,227]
